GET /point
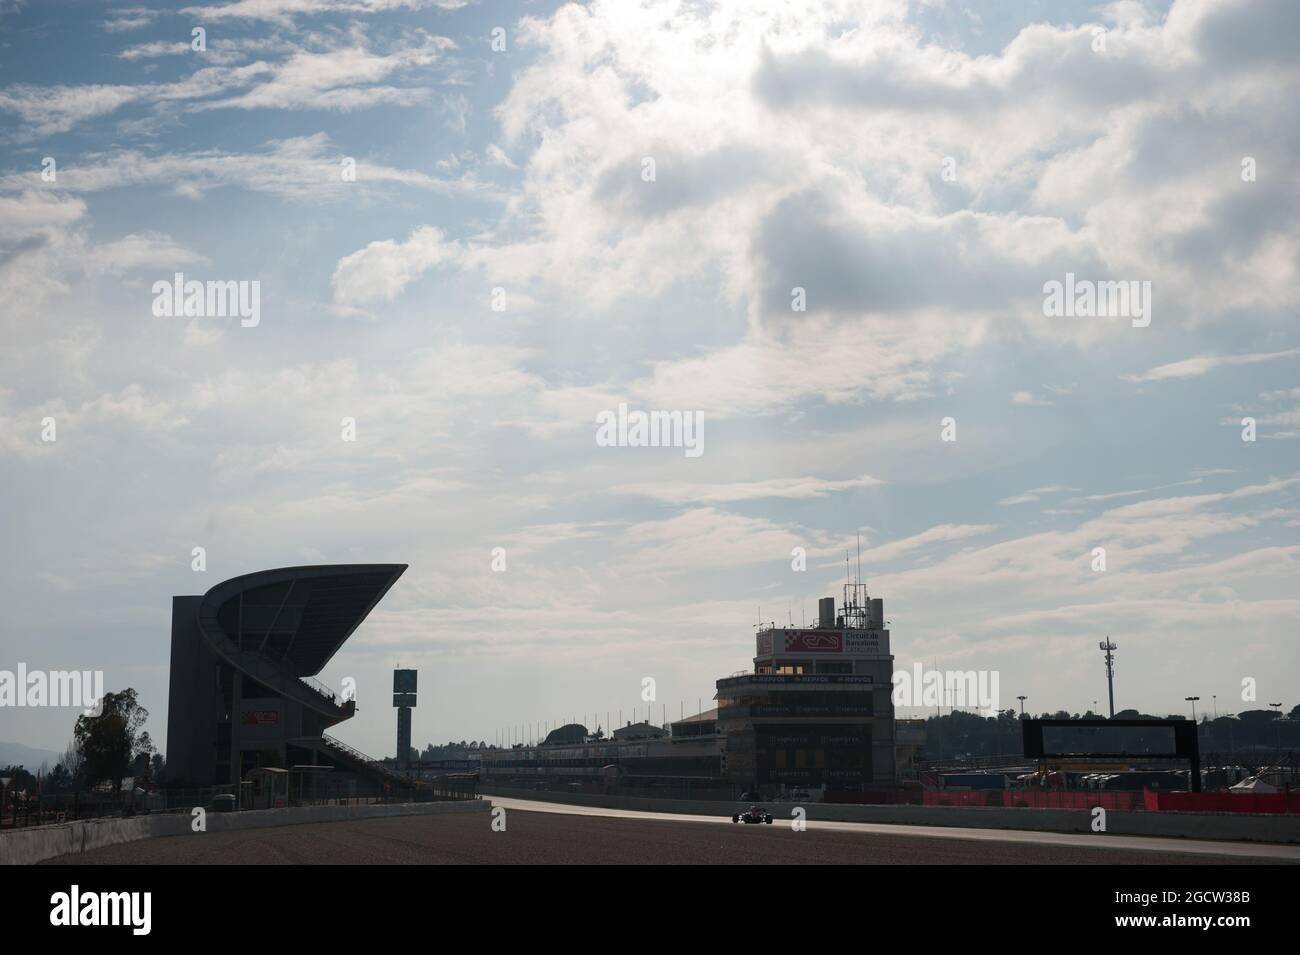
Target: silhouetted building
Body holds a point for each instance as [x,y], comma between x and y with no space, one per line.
[818,711]
[242,659]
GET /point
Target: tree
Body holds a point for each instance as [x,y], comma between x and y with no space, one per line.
[20,780]
[59,780]
[72,763]
[109,743]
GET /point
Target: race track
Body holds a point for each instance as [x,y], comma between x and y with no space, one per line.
[553,833]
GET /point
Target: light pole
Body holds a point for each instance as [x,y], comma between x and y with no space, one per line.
[1192,700]
[1109,649]
[1277,720]
[1022,705]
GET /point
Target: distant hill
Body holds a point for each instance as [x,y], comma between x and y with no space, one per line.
[28,757]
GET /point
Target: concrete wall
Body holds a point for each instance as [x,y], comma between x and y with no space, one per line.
[37,843]
[193,704]
[1251,827]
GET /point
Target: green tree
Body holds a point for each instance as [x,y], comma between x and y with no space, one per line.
[20,780]
[108,744]
[59,780]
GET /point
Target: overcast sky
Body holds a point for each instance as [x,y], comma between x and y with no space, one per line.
[794,144]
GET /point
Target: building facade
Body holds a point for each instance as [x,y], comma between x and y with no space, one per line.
[817,711]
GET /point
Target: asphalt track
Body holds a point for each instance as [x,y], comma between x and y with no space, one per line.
[553,833]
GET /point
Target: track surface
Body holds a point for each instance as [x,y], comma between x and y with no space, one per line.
[594,837]
[1253,851]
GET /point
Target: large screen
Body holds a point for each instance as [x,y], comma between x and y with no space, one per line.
[1138,738]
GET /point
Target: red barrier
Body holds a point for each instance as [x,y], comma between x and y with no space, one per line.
[1036,799]
[1222,802]
[1111,801]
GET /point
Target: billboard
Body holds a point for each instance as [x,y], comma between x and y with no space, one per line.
[813,641]
[848,642]
[1116,739]
[1152,739]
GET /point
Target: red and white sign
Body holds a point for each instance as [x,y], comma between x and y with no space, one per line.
[853,643]
[261,718]
[814,641]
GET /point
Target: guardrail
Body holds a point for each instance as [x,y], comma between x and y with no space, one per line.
[320,688]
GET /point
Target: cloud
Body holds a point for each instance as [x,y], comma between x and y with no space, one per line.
[1203,364]
[347,75]
[145,250]
[943,533]
[128,18]
[284,11]
[1035,494]
[39,235]
[45,110]
[341,79]
[383,269]
[303,168]
[800,488]
[1029,399]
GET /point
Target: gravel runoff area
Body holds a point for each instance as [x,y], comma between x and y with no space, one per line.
[551,837]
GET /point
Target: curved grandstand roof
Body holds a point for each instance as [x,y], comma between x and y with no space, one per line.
[297,617]
[567,734]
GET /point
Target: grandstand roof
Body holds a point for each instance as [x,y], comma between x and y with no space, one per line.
[297,617]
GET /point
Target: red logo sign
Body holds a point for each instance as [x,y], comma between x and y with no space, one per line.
[815,641]
[260,718]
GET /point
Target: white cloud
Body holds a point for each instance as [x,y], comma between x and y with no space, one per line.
[383,269]
[284,11]
[798,488]
[1203,364]
[1029,399]
[145,250]
[303,168]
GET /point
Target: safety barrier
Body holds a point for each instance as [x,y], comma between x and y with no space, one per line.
[37,843]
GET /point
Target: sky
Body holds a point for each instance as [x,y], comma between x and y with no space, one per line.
[561,208]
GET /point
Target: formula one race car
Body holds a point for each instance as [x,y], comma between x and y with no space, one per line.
[753,815]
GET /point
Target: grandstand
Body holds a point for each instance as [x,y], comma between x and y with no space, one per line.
[243,692]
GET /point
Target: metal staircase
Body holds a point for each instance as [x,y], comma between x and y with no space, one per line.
[341,751]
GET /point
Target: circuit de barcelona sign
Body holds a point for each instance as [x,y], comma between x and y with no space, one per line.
[847,642]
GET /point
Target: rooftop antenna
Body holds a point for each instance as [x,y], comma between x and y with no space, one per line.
[859,536]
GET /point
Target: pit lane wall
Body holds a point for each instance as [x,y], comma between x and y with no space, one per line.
[1187,825]
[37,843]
